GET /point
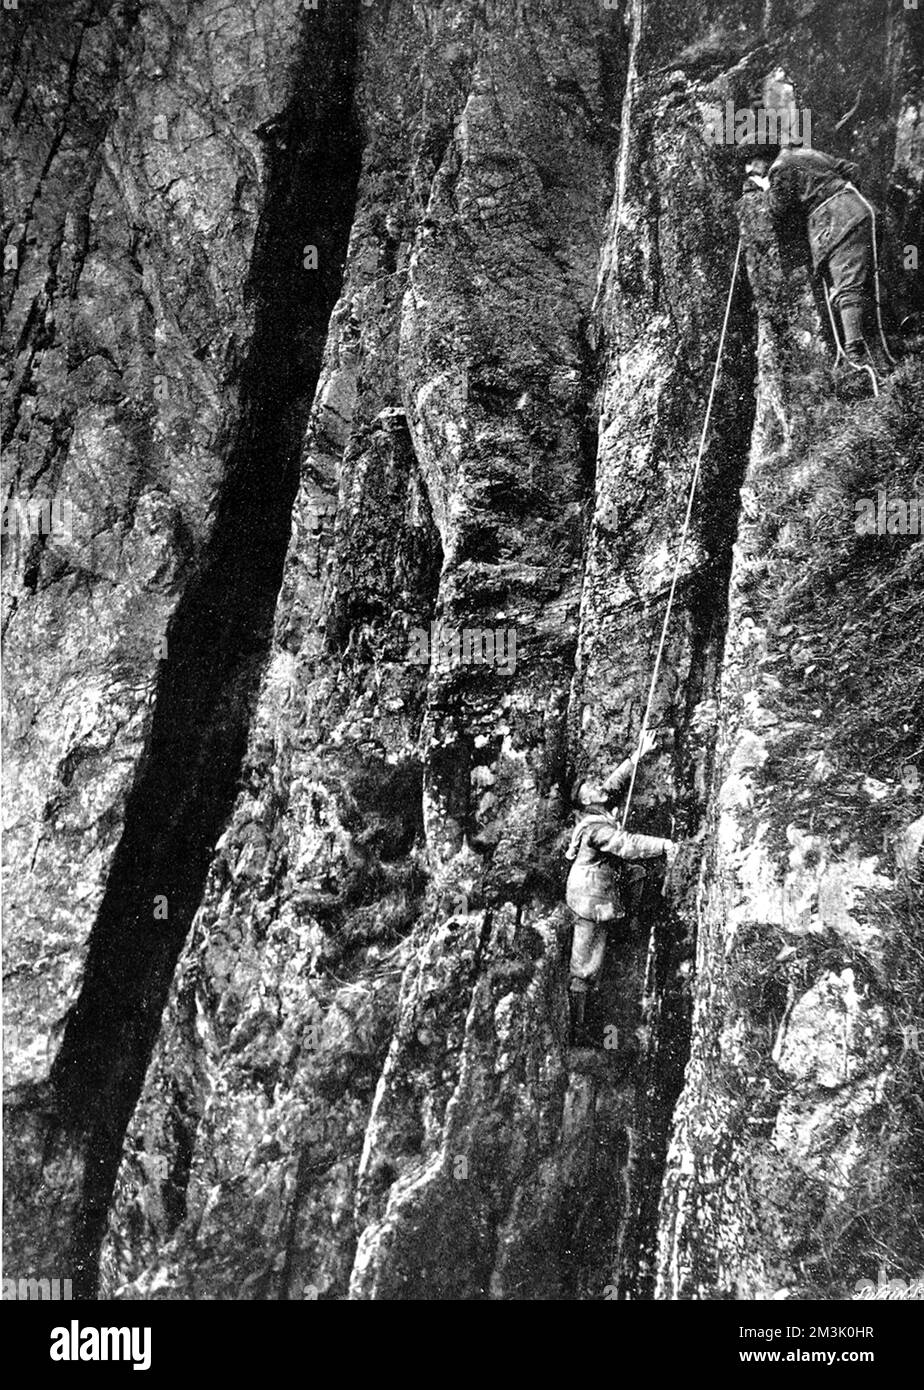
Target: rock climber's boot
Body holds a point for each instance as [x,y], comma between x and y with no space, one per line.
[860,358]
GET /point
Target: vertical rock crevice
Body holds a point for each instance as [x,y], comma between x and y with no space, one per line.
[461,326]
[280,1016]
[219,637]
[665,278]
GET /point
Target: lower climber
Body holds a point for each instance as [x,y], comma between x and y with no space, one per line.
[811,194]
[594,882]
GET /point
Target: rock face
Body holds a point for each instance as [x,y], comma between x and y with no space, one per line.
[369,347]
[167,344]
[798,1140]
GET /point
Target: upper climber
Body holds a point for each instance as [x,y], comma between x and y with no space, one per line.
[812,193]
[594,892]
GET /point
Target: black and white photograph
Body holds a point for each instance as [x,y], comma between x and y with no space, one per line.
[463,667]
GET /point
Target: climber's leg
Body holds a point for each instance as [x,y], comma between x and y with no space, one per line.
[587,953]
[850,268]
[879,332]
[577,1007]
[852,317]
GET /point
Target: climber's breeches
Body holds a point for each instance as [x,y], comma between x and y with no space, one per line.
[849,269]
[587,952]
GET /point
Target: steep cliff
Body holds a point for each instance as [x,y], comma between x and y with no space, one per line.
[355,336]
[796,1162]
[167,341]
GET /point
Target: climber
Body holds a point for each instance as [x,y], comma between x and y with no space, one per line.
[594,891]
[812,193]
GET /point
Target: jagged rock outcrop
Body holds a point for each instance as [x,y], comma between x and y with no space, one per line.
[372,350]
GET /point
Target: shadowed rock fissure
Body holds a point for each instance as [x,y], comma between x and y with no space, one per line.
[220,635]
[666,1001]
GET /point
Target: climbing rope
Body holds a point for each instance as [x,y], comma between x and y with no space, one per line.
[686,530]
[699,461]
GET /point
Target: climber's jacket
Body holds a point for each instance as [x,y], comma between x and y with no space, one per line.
[594,882]
[818,187]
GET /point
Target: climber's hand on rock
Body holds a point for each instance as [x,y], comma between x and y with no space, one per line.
[671,850]
[647,744]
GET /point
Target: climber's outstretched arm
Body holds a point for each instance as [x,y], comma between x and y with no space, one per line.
[619,780]
[627,845]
